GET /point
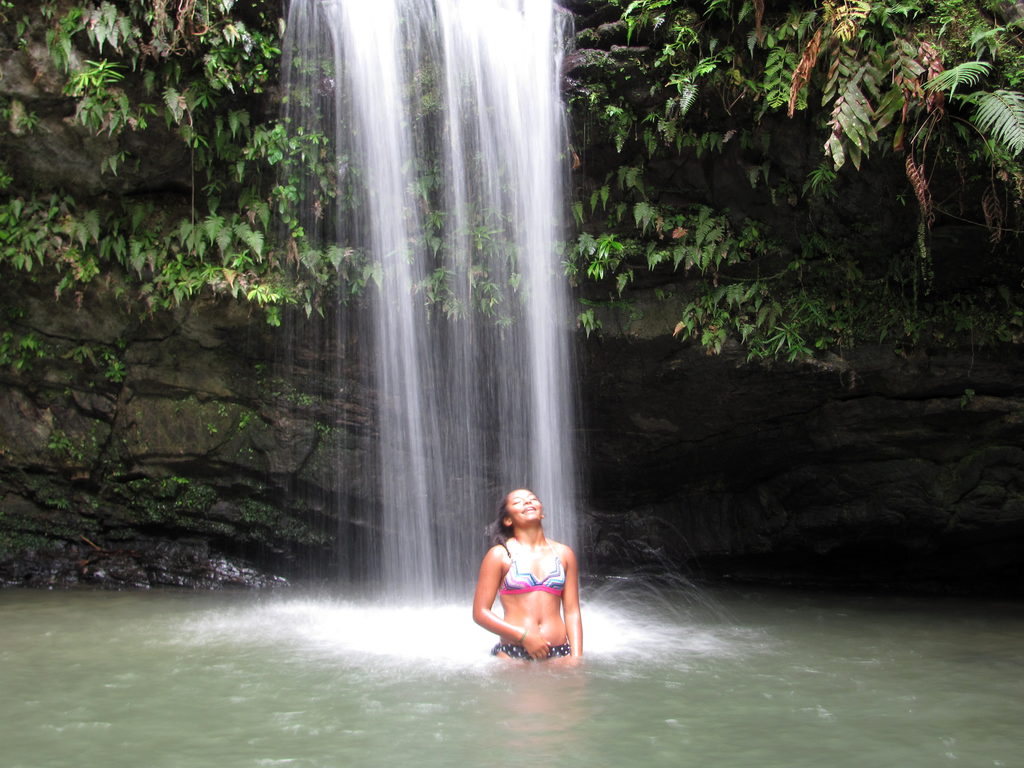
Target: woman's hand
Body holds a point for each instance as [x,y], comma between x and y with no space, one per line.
[536,646]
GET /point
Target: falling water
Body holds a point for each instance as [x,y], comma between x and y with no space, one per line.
[447,128]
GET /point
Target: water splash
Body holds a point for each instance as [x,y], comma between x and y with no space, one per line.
[365,633]
[447,126]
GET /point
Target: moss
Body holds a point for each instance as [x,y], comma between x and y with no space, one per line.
[15,543]
[285,391]
[46,490]
[279,525]
[179,503]
[171,501]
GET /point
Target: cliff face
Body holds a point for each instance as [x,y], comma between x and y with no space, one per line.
[895,464]
[201,447]
[872,469]
[197,448]
[191,447]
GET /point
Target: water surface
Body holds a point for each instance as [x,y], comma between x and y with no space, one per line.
[672,678]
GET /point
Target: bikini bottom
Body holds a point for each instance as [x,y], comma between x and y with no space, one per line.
[514,651]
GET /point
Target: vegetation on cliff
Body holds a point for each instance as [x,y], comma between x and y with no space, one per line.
[191,76]
[911,105]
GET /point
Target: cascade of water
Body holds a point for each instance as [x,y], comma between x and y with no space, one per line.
[447,126]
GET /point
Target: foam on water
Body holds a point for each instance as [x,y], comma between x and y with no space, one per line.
[443,636]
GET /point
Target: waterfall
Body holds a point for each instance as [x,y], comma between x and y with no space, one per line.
[448,136]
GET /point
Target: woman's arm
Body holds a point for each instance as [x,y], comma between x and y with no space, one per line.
[571,601]
[491,570]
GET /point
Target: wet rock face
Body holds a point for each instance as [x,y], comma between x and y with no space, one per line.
[182,448]
[184,564]
[196,448]
[58,152]
[871,470]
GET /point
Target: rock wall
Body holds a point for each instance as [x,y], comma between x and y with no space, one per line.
[895,465]
[870,469]
[201,447]
[194,447]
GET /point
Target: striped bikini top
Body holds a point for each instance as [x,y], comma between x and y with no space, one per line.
[519,581]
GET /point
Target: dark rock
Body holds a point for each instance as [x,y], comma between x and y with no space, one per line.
[714,463]
[185,564]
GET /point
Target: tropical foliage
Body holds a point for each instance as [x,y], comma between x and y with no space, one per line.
[190,75]
[923,96]
[931,90]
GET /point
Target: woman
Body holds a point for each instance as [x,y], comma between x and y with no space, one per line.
[538,580]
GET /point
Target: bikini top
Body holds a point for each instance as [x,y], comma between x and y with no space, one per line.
[519,581]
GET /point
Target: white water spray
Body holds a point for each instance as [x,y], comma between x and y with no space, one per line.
[447,124]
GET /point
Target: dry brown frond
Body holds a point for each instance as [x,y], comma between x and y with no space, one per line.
[931,59]
[802,73]
[758,18]
[992,208]
[916,177]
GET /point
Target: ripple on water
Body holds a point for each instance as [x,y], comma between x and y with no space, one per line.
[442,639]
[293,679]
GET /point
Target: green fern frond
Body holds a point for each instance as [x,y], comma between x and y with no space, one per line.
[175,104]
[251,238]
[778,77]
[687,97]
[1000,114]
[968,73]
[986,40]
[904,9]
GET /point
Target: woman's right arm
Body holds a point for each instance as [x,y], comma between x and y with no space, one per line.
[487,583]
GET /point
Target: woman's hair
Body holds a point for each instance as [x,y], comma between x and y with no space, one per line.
[497,531]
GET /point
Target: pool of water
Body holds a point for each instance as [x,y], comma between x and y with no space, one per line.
[672,677]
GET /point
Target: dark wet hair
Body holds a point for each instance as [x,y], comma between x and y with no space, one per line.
[497,531]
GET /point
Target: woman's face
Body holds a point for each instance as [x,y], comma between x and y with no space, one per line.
[522,506]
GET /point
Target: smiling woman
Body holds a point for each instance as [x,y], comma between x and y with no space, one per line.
[538,581]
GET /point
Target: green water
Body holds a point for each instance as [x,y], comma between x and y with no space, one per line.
[672,678]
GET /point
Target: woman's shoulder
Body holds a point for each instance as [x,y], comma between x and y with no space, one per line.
[562,550]
[498,552]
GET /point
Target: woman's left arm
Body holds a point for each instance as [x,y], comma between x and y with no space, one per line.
[571,602]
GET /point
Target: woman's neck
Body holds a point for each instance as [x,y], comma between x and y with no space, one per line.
[530,538]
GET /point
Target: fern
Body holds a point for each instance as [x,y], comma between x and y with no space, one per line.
[846,17]
[778,77]
[802,71]
[212,226]
[968,73]
[252,238]
[175,103]
[631,177]
[1001,115]
[687,96]
[223,240]
[91,222]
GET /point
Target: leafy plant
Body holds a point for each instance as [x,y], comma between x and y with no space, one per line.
[929,89]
